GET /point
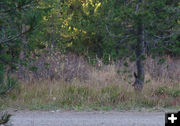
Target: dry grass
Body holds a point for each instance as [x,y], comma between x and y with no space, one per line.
[97,93]
[54,65]
[69,82]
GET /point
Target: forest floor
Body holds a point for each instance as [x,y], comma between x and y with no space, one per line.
[101,118]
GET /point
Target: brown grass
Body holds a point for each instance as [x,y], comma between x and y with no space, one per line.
[70,82]
[54,65]
[98,93]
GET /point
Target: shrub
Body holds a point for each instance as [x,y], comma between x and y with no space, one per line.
[8,85]
[161,90]
[174,92]
[4,119]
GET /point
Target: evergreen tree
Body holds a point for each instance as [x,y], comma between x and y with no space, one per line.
[142,25]
[18,20]
[118,28]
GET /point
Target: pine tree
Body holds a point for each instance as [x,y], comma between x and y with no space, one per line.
[142,25]
[18,19]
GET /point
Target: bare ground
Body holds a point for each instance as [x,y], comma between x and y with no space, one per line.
[38,118]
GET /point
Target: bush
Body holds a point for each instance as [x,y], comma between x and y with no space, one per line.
[174,92]
[161,90]
[8,85]
[4,118]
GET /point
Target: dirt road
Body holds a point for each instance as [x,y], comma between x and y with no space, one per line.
[88,118]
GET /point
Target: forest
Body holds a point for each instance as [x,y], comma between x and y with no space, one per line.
[89,54]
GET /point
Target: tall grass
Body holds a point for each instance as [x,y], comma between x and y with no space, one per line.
[69,82]
[59,94]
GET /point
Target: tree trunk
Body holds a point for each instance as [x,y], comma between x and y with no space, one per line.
[140,49]
[23,38]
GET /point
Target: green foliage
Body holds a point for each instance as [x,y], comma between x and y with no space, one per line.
[126,64]
[174,92]
[161,90]
[82,19]
[161,61]
[19,21]
[4,118]
[118,71]
[1,73]
[8,85]
[33,68]
[148,81]
[132,58]
[108,28]
[164,90]
[112,92]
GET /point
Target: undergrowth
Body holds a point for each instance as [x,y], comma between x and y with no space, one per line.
[59,94]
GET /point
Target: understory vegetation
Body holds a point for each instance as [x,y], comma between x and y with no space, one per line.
[76,96]
[100,87]
[89,54]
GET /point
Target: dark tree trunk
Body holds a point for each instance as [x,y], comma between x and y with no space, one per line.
[24,42]
[140,49]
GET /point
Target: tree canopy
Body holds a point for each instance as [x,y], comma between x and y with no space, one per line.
[104,28]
